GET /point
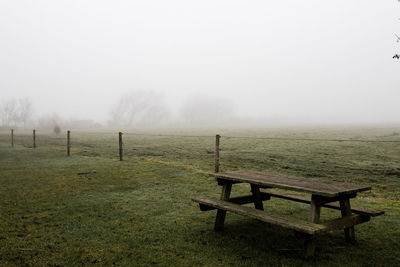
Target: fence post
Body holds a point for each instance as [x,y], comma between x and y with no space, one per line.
[34,138]
[120,145]
[68,142]
[12,137]
[217,137]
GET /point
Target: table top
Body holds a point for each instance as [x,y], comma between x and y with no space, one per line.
[302,184]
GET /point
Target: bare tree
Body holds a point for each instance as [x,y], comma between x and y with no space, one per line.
[8,112]
[25,109]
[140,108]
[15,112]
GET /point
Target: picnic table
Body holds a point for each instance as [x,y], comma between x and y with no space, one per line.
[327,194]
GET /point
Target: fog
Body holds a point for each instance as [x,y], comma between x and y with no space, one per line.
[202,61]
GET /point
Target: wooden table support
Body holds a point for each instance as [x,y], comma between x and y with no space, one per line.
[328,194]
[345,208]
[258,200]
[225,194]
[315,213]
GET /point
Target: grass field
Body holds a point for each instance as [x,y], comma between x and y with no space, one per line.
[92,209]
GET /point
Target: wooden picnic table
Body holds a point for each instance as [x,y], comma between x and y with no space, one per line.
[329,194]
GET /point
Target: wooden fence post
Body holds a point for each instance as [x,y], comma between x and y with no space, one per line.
[68,142]
[217,137]
[34,138]
[12,137]
[120,145]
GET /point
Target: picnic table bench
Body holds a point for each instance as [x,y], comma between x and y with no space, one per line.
[328,194]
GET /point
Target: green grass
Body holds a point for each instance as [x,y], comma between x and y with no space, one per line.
[91,209]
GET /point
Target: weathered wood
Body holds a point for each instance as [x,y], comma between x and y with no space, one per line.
[255,190]
[346,211]
[221,214]
[313,186]
[345,222]
[12,137]
[226,191]
[34,138]
[68,143]
[307,200]
[359,210]
[315,212]
[222,182]
[283,221]
[120,146]
[284,195]
[309,246]
[237,200]
[324,194]
[321,200]
[217,138]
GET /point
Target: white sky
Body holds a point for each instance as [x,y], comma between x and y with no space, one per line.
[316,60]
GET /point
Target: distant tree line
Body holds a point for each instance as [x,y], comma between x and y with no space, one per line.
[16,112]
[149,109]
[140,109]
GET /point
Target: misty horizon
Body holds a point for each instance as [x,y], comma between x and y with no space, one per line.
[227,62]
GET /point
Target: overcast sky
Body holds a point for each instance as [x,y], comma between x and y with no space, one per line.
[314,60]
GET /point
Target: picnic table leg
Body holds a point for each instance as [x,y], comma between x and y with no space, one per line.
[314,217]
[255,190]
[225,194]
[345,208]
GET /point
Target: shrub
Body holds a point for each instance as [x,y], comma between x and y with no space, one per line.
[57,129]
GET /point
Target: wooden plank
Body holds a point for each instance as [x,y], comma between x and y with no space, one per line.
[313,186]
[288,196]
[297,198]
[283,221]
[360,210]
[345,222]
[222,181]
[237,200]
[336,206]
[325,200]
